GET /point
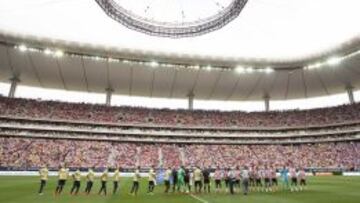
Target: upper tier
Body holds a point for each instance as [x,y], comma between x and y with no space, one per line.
[182,118]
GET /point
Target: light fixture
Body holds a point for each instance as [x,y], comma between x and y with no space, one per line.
[249,70]
[240,69]
[154,64]
[59,53]
[333,61]
[23,47]
[269,70]
[196,67]
[47,51]
[208,68]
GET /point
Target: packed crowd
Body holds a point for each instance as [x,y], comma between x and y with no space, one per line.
[24,153]
[10,123]
[130,115]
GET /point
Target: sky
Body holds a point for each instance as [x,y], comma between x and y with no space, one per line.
[117,100]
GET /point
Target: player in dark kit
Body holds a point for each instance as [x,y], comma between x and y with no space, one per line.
[174,176]
[187,180]
[227,179]
[206,176]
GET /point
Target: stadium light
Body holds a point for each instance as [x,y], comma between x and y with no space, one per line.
[208,68]
[48,51]
[59,53]
[269,70]
[249,70]
[196,67]
[333,61]
[240,69]
[154,64]
[23,48]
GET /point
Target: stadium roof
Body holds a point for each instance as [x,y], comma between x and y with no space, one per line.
[284,43]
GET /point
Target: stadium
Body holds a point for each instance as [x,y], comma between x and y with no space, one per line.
[179,101]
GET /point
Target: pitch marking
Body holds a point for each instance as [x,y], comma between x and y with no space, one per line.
[198,198]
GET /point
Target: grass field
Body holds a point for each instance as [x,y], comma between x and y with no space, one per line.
[320,190]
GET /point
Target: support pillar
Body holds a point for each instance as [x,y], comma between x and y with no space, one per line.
[191,100]
[109,92]
[267,103]
[14,83]
[350,92]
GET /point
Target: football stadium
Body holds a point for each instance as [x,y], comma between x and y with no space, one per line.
[179,101]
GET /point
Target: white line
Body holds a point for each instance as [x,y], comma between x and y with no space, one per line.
[198,198]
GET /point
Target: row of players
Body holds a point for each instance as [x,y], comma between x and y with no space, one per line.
[182,180]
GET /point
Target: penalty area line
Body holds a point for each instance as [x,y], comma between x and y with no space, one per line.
[198,198]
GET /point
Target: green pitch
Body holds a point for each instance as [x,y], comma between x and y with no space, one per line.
[320,190]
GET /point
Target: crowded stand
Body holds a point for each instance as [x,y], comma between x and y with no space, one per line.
[129,115]
[85,135]
[26,153]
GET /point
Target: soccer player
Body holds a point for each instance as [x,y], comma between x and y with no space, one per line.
[181,179]
[258,176]
[252,178]
[116,179]
[152,179]
[76,185]
[197,179]
[136,179]
[227,180]
[267,179]
[274,182]
[218,176]
[231,175]
[285,178]
[293,176]
[104,177]
[245,180]
[302,179]
[237,178]
[63,175]
[206,176]
[174,177]
[187,180]
[90,181]
[167,179]
[44,173]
